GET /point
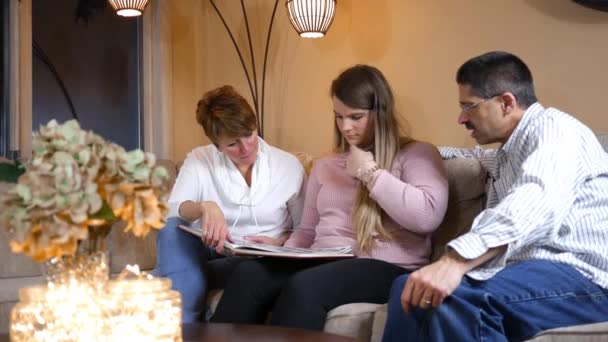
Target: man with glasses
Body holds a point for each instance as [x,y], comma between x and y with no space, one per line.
[536,258]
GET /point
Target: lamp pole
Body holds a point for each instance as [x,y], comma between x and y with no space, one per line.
[253,87]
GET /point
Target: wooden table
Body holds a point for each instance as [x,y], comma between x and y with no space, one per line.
[251,333]
[219,332]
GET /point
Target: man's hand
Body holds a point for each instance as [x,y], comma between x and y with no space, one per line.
[214,230]
[358,160]
[268,240]
[430,285]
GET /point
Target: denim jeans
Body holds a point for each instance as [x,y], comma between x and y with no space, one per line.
[192,267]
[518,302]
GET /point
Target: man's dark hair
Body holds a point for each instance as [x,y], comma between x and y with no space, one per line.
[497,72]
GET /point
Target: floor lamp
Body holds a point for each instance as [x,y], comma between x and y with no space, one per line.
[310,18]
[258,102]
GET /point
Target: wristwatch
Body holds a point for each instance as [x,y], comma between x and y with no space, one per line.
[366,176]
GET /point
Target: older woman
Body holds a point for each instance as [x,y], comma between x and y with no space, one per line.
[238,187]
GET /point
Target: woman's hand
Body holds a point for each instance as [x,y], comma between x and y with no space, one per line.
[358,161]
[268,240]
[214,230]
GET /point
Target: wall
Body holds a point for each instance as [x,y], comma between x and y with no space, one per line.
[417,44]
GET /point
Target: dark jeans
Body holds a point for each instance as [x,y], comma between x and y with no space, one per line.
[514,305]
[192,267]
[300,293]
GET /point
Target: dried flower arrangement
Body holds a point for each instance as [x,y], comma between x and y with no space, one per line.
[76,183]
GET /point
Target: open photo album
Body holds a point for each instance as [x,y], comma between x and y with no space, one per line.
[245,248]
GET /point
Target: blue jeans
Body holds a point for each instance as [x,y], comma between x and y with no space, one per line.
[192,267]
[518,302]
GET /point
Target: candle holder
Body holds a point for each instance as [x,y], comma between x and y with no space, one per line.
[135,306]
[143,309]
[70,312]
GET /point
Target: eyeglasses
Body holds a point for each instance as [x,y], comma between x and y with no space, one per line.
[469,107]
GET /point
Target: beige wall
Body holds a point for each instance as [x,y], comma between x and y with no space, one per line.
[417,44]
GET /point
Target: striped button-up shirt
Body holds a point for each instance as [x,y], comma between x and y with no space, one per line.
[547,197]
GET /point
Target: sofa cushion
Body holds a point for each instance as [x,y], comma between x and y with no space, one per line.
[213,298]
[603,139]
[126,248]
[306,160]
[466,179]
[9,288]
[5,314]
[379,323]
[582,333]
[354,320]
[9,294]
[15,265]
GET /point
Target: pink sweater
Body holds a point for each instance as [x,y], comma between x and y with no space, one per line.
[414,195]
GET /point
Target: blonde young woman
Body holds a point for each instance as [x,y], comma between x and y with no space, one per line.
[380,193]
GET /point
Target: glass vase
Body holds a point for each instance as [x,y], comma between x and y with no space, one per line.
[89,265]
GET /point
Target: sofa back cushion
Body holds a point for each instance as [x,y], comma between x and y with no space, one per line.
[14,265]
[125,248]
[466,179]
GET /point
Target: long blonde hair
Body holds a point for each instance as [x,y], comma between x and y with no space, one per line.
[364,87]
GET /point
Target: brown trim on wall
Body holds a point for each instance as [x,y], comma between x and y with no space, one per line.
[157,80]
[20,76]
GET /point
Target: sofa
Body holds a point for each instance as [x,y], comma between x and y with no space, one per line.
[466,178]
[364,321]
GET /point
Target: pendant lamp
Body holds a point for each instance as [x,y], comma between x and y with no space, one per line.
[311,18]
[128,8]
